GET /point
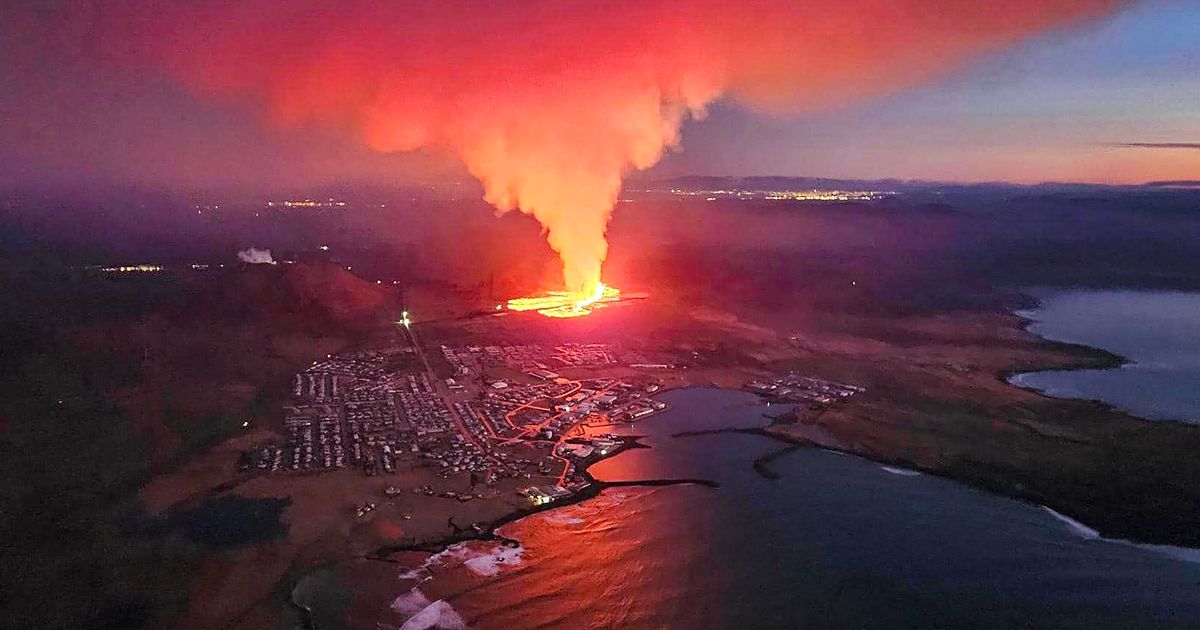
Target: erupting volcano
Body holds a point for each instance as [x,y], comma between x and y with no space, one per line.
[550,103]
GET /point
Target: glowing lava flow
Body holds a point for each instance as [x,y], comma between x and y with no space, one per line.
[565,303]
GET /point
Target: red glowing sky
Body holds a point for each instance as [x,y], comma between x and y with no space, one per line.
[165,93]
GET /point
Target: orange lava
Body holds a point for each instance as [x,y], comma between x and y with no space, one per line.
[563,304]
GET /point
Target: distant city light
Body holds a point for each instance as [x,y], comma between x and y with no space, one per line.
[133,269]
[307,203]
[786,195]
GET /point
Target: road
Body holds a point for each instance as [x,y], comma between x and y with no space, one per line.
[562,478]
[444,392]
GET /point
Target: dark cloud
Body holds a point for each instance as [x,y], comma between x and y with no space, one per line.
[1156,145]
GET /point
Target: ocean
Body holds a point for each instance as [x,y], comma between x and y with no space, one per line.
[835,542]
[1158,331]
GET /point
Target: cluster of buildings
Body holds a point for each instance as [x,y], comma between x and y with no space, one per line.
[366,410]
[583,449]
[541,495]
[352,373]
[556,407]
[377,410]
[530,358]
[521,395]
[793,387]
[421,405]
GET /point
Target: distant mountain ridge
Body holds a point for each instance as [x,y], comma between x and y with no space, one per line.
[721,182]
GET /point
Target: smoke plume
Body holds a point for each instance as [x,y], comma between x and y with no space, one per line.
[550,102]
[256,256]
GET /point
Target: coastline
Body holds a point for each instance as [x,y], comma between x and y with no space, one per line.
[792,443]
[1097,358]
[869,440]
[1146,530]
[1140,353]
[1086,357]
[1183,554]
[908,468]
[1101,359]
[488,532]
[999,489]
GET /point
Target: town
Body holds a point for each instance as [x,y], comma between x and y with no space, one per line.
[383,410]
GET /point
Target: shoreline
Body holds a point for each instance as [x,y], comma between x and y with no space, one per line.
[487,532]
[1108,360]
[792,443]
[1103,360]
[1183,553]
[1082,357]
[1086,358]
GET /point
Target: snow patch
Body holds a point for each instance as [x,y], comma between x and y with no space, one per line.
[439,614]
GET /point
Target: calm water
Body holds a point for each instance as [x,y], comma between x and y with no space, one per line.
[1159,332]
[838,542]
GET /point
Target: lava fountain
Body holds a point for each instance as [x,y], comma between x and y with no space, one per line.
[564,304]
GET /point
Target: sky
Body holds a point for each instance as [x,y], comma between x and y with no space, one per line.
[1053,109]
[1057,107]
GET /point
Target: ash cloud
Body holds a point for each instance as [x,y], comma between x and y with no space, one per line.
[549,103]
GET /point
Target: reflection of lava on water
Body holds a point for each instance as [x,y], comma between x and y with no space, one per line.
[566,303]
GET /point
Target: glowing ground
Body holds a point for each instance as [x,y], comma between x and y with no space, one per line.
[565,303]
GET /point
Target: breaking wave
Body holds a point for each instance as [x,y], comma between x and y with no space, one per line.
[1185,554]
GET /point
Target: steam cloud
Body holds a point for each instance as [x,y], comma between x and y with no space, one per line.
[550,102]
[255,256]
